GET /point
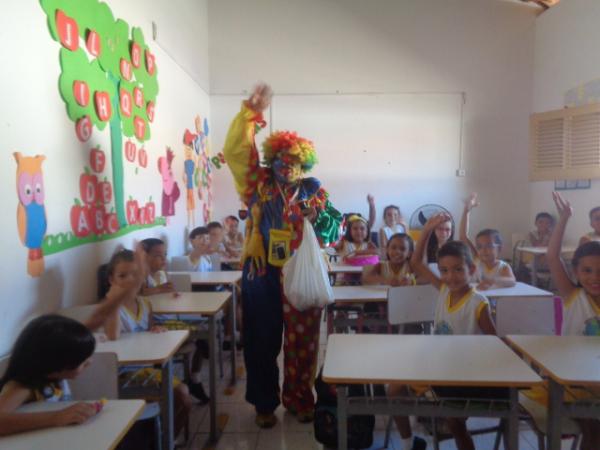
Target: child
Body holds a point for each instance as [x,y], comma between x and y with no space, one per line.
[443,233]
[199,256]
[156,257]
[544,224]
[233,239]
[372,215]
[394,223]
[135,315]
[157,283]
[491,271]
[49,350]
[460,310]
[215,239]
[357,240]
[396,270]
[581,315]
[595,224]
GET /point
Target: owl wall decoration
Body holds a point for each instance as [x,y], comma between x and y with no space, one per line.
[31,212]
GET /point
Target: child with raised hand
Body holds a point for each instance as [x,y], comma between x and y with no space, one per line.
[156,257]
[491,270]
[459,310]
[396,269]
[126,269]
[581,314]
[394,224]
[50,350]
[595,224]
[233,238]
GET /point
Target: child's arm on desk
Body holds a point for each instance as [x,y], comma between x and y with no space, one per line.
[14,395]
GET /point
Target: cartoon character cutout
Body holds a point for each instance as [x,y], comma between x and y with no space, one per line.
[189,168]
[31,212]
[170,193]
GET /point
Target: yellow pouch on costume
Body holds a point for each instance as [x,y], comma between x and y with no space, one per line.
[279,247]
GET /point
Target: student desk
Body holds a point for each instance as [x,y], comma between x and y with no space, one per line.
[426,360]
[206,304]
[228,278]
[150,349]
[537,251]
[525,301]
[335,268]
[102,432]
[568,361]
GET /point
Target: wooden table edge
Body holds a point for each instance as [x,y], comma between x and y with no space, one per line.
[435,383]
[131,422]
[156,360]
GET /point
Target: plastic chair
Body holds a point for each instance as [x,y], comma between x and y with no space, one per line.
[180,264]
[100,380]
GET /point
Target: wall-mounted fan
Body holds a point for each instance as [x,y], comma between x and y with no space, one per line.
[423,213]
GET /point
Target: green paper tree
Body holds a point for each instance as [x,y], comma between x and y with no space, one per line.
[108,78]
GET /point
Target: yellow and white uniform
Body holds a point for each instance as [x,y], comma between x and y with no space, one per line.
[463,317]
[581,315]
[350,247]
[483,273]
[157,278]
[131,323]
[388,273]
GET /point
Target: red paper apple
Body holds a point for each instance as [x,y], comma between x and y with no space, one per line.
[111,224]
[97,159]
[68,31]
[125,67]
[88,187]
[92,43]
[143,157]
[125,102]
[132,211]
[150,63]
[136,55]
[83,128]
[80,221]
[139,127]
[130,151]
[138,97]
[103,108]
[81,92]
[105,192]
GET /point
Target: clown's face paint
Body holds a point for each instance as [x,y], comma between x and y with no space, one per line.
[286,172]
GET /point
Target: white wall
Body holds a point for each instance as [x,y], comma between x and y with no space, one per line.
[566,56]
[482,48]
[33,120]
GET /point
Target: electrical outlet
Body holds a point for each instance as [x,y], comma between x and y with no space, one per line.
[461,172]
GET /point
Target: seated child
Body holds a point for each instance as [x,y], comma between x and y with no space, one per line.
[595,224]
[491,271]
[156,258]
[50,350]
[200,255]
[394,223]
[395,270]
[357,239]
[157,283]
[460,310]
[127,269]
[581,313]
[372,215]
[215,239]
[544,224]
[443,233]
[233,238]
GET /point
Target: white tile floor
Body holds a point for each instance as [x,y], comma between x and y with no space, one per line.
[240,432]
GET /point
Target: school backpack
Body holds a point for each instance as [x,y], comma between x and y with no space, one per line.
[360,428]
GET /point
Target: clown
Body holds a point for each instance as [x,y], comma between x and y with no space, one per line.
[278,198]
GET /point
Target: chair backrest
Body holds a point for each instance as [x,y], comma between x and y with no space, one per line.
[535,315]
[181,264]
[79,313]
[99,380]
[182,282]
[409,304]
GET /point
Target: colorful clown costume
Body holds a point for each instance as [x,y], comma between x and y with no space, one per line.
[273,232]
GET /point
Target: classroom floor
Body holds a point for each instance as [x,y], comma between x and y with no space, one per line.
[240,432]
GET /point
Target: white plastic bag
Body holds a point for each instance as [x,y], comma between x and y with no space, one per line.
[305,278]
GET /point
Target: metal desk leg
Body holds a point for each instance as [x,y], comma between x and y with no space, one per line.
[168,417]
[513,420]
[534,271]
[342,400]
[554,412]
[212,378]
[233,328]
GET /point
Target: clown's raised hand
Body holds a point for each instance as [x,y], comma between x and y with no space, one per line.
[260,99]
